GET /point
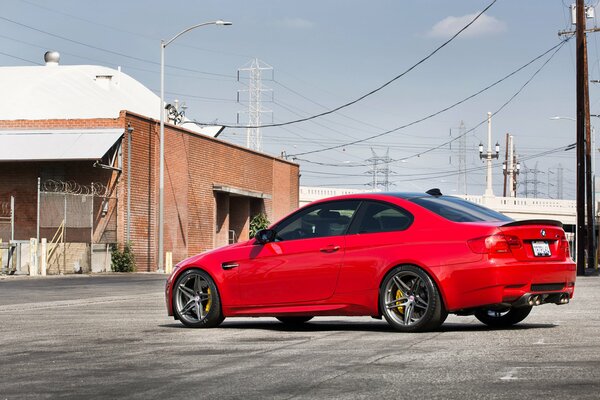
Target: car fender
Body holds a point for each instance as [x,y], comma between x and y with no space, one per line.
[432,272]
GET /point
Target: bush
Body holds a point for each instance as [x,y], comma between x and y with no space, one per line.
[257,223]
[122,261]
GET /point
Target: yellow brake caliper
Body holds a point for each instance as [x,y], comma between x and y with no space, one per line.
[209,302]
[399,295]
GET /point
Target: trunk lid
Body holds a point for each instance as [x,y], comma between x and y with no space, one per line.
[540,240]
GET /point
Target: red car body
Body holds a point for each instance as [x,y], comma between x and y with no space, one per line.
[473,264]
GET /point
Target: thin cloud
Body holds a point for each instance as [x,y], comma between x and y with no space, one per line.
[485,25]
[295,23]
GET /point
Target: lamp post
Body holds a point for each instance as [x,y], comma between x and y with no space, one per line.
[161,173]
[128,228]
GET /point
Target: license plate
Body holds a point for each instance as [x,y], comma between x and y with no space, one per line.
[541,248]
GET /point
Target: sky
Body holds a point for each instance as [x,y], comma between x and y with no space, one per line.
[325,54]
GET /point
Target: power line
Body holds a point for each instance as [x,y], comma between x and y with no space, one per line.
[111,27]
[555,48]
[125,66]
[19,58]
[374,90]
[430,175]
[325,107]
[110,51]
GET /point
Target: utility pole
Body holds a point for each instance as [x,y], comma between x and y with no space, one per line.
[525,180]
[511,168]
[489,156]
[589,190]
[505,165]
[585,233]
[581,83]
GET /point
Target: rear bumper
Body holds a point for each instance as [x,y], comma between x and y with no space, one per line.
[506,282]
[536,299]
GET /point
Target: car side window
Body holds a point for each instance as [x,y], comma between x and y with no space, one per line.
[381,217]
[328,219]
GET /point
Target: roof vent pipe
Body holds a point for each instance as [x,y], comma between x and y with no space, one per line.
[52,58]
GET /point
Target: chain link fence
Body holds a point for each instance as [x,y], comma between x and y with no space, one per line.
[74,218]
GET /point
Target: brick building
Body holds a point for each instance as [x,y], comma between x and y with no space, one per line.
[70,127]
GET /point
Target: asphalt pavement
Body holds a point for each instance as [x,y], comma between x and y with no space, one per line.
[108,336]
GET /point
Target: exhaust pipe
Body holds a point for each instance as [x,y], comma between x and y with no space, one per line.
[534,300]
[545,298]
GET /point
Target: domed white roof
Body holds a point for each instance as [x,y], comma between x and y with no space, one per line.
[76,92]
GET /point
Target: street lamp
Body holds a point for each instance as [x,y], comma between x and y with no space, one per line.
[161,173]
[560,117]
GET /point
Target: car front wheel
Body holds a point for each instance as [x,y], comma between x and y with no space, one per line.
[196,300]
[502,318]
[410,300]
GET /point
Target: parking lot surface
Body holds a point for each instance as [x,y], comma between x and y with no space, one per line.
[109,337]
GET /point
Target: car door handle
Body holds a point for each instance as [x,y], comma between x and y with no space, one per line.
[330,249]
[227,266]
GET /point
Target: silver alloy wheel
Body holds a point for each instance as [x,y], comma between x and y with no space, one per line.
[406,298]
[193,298]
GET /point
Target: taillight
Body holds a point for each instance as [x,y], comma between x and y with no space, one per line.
[564,243]
[494,244]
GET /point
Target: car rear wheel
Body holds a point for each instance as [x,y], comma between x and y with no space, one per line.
[294,320]
[196,300]
[410,300]
[502,318]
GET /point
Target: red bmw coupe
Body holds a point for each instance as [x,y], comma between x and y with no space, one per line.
[409,257]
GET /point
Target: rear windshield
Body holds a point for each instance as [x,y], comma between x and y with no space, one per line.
[459,210]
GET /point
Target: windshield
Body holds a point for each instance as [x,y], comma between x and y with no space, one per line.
[459,210]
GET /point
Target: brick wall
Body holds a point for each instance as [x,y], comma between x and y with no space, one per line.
[193,164]
[20,180]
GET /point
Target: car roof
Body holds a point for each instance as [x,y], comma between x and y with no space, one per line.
[378,195]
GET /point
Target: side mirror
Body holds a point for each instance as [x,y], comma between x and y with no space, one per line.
[265,236]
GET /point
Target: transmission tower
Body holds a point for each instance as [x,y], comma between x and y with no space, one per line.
[533,182]
[255,70]
[559,181]
[380,171]
[558,185]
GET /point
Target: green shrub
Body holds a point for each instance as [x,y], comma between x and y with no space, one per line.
[258,222]
[122,261]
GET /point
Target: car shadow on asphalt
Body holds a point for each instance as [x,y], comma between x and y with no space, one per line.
[354,326]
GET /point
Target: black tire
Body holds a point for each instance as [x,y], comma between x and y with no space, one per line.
[443,316]
[196,301]
[410,301]
[504,318]
[294,321]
